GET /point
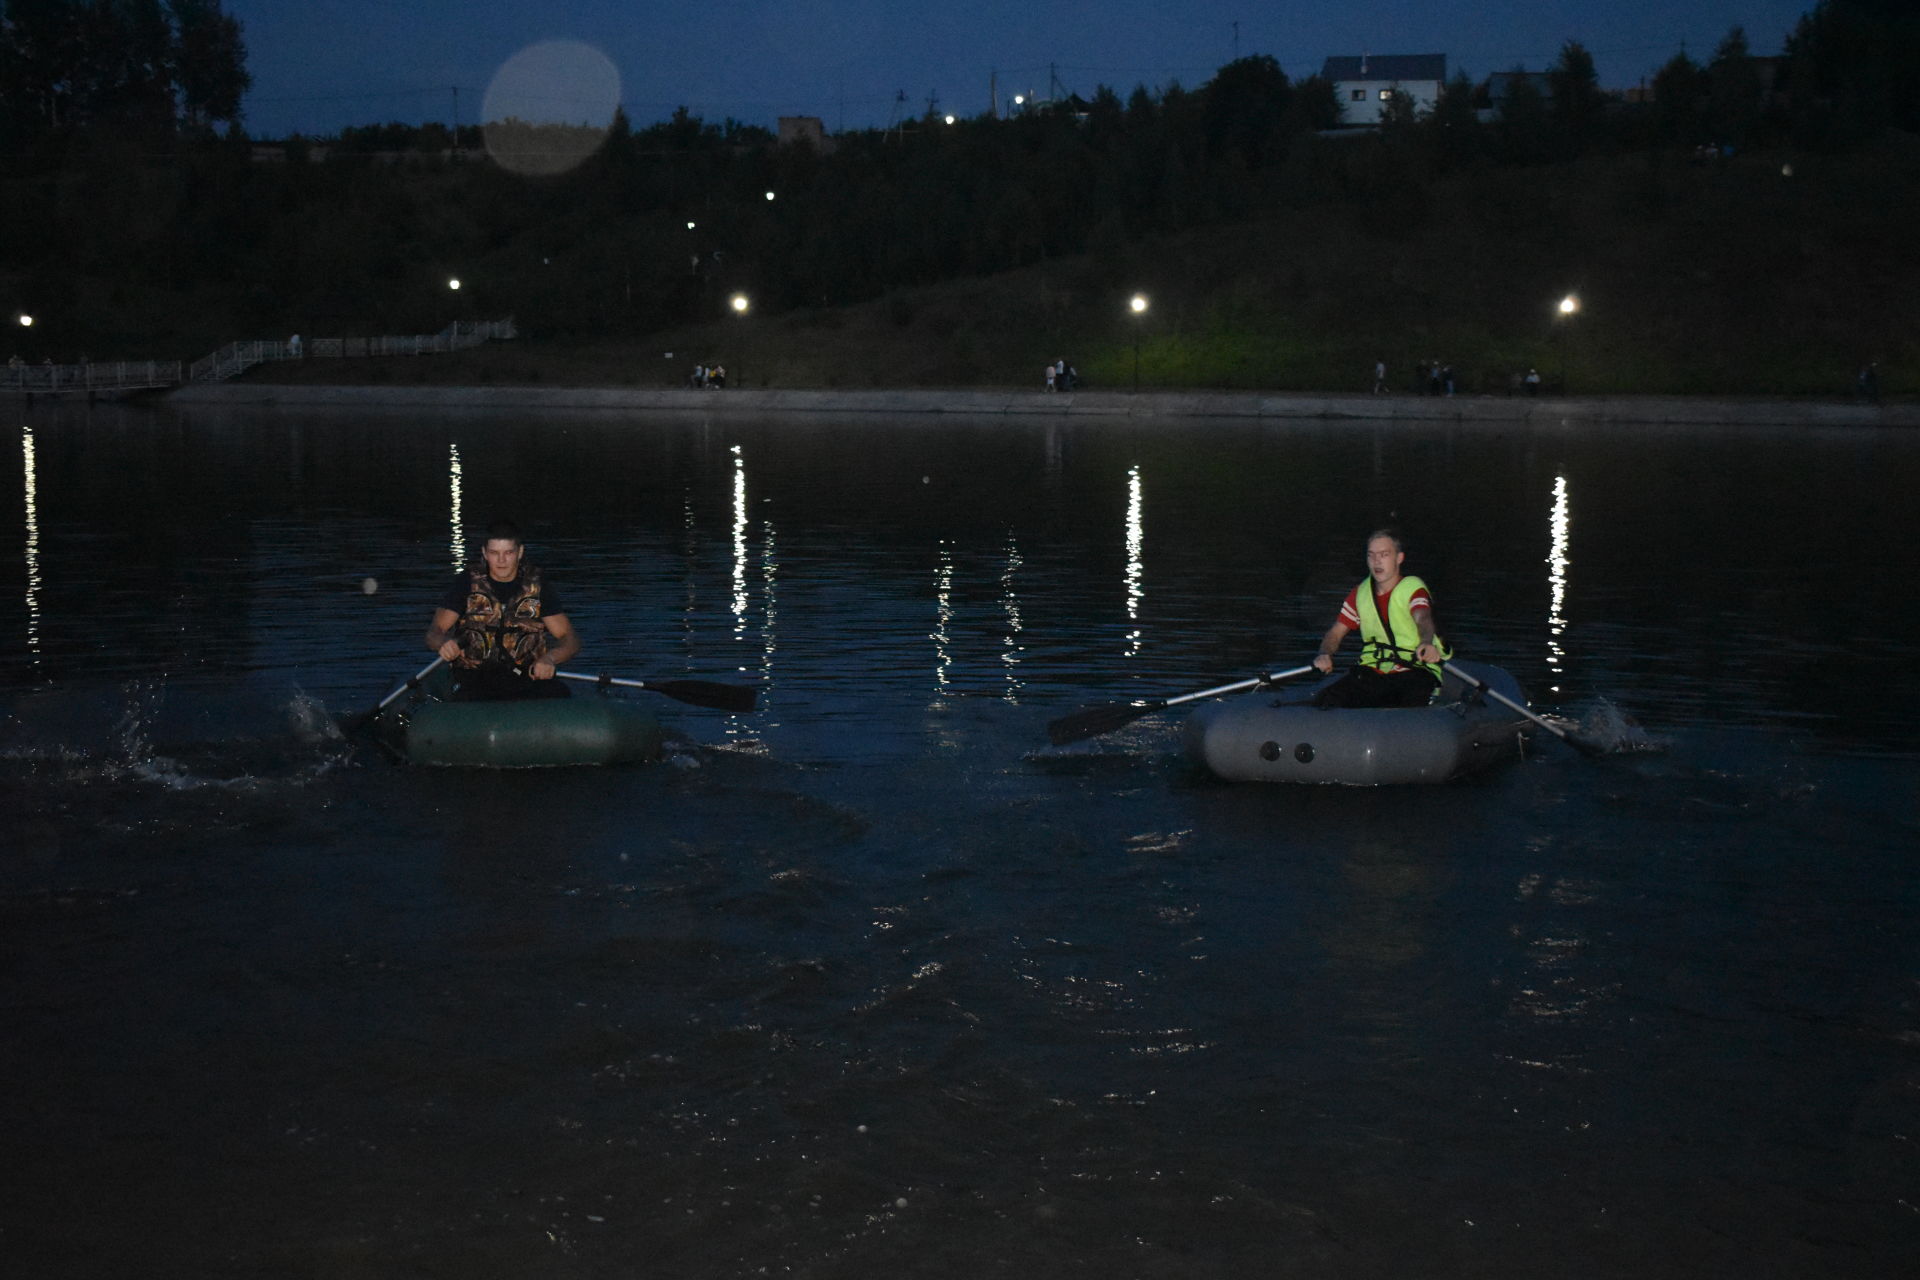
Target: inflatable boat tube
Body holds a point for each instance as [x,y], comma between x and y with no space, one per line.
[528,733]
[1261,738]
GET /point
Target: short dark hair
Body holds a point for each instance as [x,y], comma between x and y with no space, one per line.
[1391,532]
[503,530]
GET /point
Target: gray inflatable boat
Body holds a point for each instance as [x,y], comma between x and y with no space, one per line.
[1260,738]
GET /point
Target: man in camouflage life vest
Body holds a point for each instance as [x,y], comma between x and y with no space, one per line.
[502,628]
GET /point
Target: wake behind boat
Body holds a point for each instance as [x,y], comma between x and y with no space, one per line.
[1263,738]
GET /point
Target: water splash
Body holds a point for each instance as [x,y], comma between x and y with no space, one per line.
[1606,725]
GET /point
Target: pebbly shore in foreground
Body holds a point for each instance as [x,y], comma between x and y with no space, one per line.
[1652,410]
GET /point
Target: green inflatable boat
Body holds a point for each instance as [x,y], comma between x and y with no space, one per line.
[587,728]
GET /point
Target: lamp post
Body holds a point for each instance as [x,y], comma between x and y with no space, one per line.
[741,305]
[1568,307]
[1138,305]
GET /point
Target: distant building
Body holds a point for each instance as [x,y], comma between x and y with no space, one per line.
[808,130]
[1364,84]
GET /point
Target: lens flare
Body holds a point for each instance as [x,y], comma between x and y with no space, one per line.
[549,107]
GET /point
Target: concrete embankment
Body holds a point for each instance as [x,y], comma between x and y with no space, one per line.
[1099,404]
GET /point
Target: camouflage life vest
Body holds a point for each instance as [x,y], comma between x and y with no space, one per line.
[492,630]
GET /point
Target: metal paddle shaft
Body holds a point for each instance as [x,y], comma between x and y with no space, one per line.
[411,682]
[1094,721]
[697,693]
[1554,729]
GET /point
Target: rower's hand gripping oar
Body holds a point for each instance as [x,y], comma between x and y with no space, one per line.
[1093,721]
[695,693]
[1580,744]
[366,718]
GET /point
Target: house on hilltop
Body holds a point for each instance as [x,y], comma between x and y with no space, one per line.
[1364,84]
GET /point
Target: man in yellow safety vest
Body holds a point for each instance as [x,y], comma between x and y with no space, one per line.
[1400,654]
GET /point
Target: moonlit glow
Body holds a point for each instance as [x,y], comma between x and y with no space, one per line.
[454,284]
[1136,536]
[1010,656]
[1560,526]
[32,487]
[1569,305]
[456,516]
[739,303]
[1139,303]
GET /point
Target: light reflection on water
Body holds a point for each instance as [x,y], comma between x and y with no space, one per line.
[1560,529]
[30,503]
[456,512]
[1065,1006]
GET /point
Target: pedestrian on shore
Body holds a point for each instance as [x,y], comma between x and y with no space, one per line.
[1446,379]
[1379,377]
[1532,381]
[1867,385]
[1433,377]
[1050,378]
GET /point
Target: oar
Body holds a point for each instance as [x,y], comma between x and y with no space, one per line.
[1588,748]
[1094,721]
[696,693]
[365,718]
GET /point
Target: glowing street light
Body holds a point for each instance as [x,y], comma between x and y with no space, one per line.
[689,226]
[1568,307]
[741,304]
[1138,305]
[454,284]
[949,119]
[769,195]
[26,321]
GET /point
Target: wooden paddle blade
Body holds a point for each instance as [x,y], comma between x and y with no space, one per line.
[706,693]
[1094,721]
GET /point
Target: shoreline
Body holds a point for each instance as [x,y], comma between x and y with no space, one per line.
[1641,410]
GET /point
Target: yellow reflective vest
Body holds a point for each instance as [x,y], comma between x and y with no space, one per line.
[1388,643]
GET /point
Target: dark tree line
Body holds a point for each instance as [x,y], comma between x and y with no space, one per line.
[144,65]
[662,223]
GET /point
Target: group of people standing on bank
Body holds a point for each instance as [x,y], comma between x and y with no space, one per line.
[503,628]
[1062,376]
[708,377]
[1429,378]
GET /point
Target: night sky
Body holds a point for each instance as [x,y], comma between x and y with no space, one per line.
[323,64]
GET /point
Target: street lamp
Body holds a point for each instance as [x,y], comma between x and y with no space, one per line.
[26,321]
[741,304]
[454,284]
[1569,306]
[1138,305]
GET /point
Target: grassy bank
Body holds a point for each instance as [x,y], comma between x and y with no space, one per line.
[1765,275]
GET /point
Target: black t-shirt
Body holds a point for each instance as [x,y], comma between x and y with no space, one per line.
[456,597]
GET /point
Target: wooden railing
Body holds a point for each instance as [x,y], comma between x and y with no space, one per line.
[236,358]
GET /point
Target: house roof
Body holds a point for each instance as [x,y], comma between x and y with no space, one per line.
[1387,66]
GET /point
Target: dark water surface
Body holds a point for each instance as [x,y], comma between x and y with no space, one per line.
[874,982]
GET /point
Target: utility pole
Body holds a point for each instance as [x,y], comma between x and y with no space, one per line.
[1236,39]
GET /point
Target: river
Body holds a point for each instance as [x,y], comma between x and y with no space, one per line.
[875,981]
